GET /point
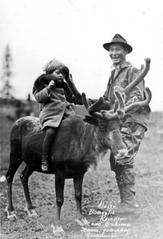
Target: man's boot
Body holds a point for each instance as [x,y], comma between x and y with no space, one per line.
[44,163]
[126,184]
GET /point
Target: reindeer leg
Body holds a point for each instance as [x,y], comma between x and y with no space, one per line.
[59,189]
[78,181]
[14,164]
[24,179]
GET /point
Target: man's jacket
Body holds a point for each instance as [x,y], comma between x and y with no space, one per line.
[122,77]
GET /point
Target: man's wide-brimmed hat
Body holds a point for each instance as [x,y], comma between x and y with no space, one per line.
[118,39]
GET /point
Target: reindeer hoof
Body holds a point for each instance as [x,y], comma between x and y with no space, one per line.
[10,215]
[31,212]
[57,230]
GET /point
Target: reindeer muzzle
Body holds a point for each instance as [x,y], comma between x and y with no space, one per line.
[118,147]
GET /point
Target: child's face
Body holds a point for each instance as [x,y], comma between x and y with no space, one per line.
[59,75]
[117,54]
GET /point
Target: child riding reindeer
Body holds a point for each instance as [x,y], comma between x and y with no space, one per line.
[55,91]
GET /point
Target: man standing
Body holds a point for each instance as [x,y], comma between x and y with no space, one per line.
[133,125]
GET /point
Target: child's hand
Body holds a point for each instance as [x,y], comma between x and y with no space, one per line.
[51,85]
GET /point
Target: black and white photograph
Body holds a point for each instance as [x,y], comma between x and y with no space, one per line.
[81,119]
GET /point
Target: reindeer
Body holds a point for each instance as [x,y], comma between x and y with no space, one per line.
[79,143]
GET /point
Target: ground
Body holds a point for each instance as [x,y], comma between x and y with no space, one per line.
[99,189]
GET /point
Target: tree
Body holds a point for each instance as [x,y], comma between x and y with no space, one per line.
[7,88]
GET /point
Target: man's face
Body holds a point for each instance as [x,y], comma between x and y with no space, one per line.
[117,54]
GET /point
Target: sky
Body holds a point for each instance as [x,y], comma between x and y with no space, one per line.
[73,31]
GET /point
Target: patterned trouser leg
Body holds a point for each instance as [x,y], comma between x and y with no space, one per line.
[126,183]
[132,134]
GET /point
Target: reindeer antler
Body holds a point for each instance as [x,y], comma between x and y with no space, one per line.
[94,107]
[148,97]
[140,77]
[85,101]
[97,106]
[118,111]
[120,114]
